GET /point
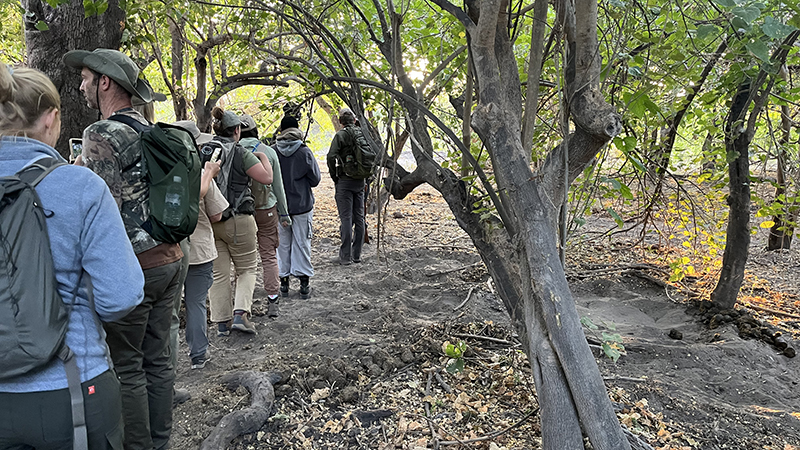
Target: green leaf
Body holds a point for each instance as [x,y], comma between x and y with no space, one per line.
[612,337]
[725,3]
[89,9]
[704,31]
[102,6]
[630,143]
[611,352]
[53,3]
[775,29]
[625,191]
[651,106]
[759,50]
[739,24]
[615,216]
[456,365]
[748,14]
[587,322]
[41,26]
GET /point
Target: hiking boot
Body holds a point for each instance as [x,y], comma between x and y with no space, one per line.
[305,291]
[198,362]
[272,307]
[243,324]
[180,396]
[224,328]
[284,286]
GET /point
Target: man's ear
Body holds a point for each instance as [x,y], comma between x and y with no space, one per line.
[105,82]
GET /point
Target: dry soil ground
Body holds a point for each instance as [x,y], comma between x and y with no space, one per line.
[362,365]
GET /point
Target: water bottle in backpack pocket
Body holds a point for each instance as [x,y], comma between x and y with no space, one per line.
[175,195]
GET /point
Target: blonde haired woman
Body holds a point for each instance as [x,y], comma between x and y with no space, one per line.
[86,237]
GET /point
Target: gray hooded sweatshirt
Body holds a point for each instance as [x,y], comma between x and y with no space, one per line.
[299,170]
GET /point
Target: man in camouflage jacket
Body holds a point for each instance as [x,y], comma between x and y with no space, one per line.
[139,342]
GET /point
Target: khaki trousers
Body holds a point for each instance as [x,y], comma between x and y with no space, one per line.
[235,239]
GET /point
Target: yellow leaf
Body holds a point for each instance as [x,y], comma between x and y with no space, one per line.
[767,224]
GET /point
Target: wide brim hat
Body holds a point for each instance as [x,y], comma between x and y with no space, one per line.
[199,137]
[113,64]
[248,123]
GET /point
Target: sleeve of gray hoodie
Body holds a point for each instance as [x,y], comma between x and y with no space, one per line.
[313,173]
[277,181]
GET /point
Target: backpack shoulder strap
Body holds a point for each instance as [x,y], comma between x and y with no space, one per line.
[137,126]
[34,173]
[129,121]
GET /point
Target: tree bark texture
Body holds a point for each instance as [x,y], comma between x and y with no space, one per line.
[250,419]
[177,48]
[534,73]
[780,234]
[737,241]
[68,31]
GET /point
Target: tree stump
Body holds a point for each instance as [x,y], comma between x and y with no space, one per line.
[248,420]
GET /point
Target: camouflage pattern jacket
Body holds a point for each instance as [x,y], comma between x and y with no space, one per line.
[111,150]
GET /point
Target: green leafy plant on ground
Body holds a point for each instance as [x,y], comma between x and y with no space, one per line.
[611,343]
[456,354]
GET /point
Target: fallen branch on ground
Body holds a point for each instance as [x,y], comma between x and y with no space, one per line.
[455,270]
[469,294]
[248,420]
[485,338]
[773,311]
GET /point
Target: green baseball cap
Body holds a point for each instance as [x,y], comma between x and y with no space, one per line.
[113,64]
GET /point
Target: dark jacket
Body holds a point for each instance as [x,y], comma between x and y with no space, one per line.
[299,170]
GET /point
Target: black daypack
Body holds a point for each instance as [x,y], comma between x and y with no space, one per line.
[173,175]
[358,159]
[33,317]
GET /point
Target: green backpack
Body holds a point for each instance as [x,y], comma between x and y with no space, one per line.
[173,174]
[358,159]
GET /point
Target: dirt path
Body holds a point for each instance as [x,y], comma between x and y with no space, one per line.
[361,359]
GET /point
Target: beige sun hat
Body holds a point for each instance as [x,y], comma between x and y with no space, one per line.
[191,127]
[113,64]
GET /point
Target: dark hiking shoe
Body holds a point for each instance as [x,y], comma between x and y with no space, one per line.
[284,286]
[305,291]
[224,328]
[272,308]
[243,324]
[198,362]
[180,396]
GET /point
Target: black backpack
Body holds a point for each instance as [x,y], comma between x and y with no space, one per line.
[358,159]
[173,175]
[33,317]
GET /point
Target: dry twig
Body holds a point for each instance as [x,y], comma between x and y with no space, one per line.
[469,294]
[495,434]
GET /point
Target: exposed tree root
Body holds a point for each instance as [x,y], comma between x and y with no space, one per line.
[248,420]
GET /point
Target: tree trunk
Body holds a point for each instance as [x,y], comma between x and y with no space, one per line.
[179,103]
[737,241]
[780,234]
[67,31]
[534,73]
